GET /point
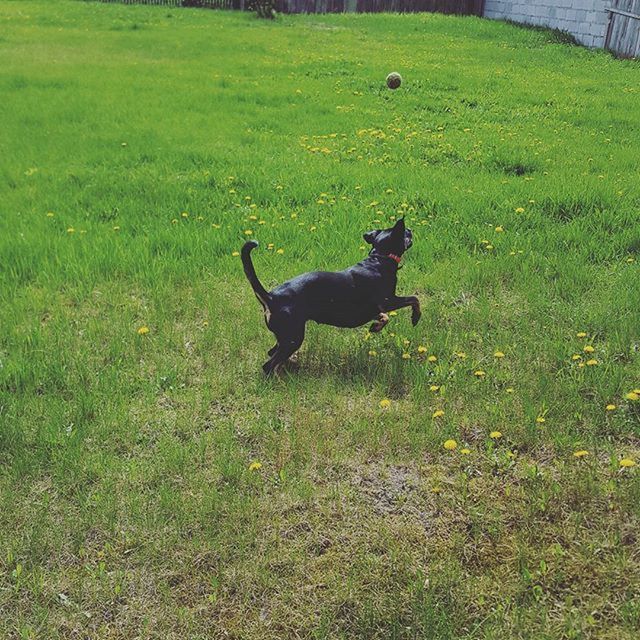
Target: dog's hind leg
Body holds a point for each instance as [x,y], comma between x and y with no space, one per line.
[273,349]
[287,346]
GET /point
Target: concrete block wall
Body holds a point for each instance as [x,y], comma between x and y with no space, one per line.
[586,20]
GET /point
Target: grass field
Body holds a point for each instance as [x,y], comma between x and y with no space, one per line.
[154,485]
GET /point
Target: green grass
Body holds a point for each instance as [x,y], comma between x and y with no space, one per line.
[136,145]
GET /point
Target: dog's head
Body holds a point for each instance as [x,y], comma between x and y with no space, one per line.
[396,239]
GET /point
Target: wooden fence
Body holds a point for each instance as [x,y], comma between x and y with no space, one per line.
[623,32]
[460,7]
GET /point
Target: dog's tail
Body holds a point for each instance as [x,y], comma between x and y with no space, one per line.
[261,293]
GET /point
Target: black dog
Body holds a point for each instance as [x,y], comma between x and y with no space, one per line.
[349,298]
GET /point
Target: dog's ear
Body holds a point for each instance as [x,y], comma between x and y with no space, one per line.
[399,225]
[370,236]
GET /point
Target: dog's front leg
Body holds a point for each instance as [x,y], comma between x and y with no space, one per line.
[380,323]
[399,302]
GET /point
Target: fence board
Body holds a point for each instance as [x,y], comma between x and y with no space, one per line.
[623,32]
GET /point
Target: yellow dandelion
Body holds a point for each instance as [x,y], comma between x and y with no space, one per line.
[611,407]
[465,452]
[519,209]
[499,229]
[434,387]
[576,356]
[509,389]
[450,445]
[406,356]
[592,362]
[393,313]
[580,454]
[142,331]
[116,228]
[498,354]
[71,230]
[438,413]
[432,358]
[235,254]
[479,373]
[636,391]
[385,403]
[460,354]
[495,435]
[50,214]
[422,349]
[373,353]
[248,232]
[632,395]
[627,462]
[280,252]
[254,466]
[540,420]
[581,334]
[588,349]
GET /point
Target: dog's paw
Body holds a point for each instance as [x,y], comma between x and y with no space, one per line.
[379,325]
[415,318]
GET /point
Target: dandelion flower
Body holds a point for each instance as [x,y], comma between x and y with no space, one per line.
[495,435]
[592,362]
[432,358]
[519,209]
[581,334]
[611,407]
[254,466]
[373,353]
[280,252]
[438,413]
[434,387]
[50,214]
[248,232]
[235,254]
[479,373]
[499,229]
[580,454]
[422,349]
[498,354]
[627,462]
[576,356]
[509,389]
[184,214]
[460,354]
[393,313]
[142,331]
[588,349]
[465,452]
[632,395]
[70,230]
[406,356]
[540,420]
[450,445]
[385,403]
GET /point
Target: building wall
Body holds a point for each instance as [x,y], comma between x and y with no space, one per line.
[586,20]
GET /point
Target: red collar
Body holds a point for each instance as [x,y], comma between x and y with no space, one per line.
[394,257]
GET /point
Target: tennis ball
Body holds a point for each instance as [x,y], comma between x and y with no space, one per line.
[394,80]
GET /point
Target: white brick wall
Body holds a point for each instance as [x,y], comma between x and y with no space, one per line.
[586,20]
